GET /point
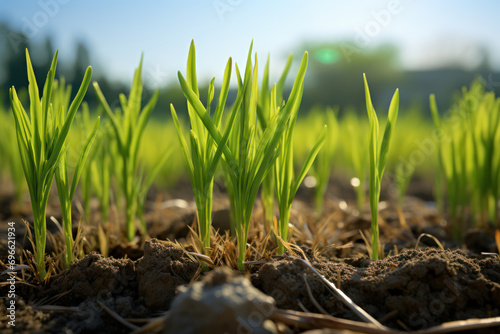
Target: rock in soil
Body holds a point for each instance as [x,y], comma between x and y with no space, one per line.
[223,302]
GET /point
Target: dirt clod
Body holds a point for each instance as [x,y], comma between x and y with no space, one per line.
[160,271]
[95,276]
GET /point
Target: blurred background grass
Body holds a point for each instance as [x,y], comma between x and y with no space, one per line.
[419,47]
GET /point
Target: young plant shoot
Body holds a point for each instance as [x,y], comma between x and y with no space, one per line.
[41,137]
[468,159]
[203,155]
[128,130]
[86,177]
[378,158]
[96,178]
[286,185]
[264,113]
[248,160]
[101,170]
[65,189]
[440,173]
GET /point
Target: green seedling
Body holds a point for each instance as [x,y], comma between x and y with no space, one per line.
[469,162]
[440,174]
[452,162]
[484,137]
[247,159]
[203,154]
[86,176]
[378,158]
[286,185]
[96,179]
[66,188]
[128,128]
[41,138]
[265,114]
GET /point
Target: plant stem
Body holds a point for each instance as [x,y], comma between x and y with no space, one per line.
[204,213]
[130,219]
[241,234]
[68,233]
[40,239]
[283,230]
[267,200]
[374,230]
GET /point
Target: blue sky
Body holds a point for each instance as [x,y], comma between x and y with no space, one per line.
[429,33]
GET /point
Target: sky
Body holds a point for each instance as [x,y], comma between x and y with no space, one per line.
[429,33]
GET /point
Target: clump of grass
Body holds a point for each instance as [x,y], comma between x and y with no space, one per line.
[286,185]
[483,110]
[96,178]
[378,158]
[128,128]
[41,138]
[469,162]
[265,114]
[86,177]
[453,169]
[247,159]
[203,154]
[66,188]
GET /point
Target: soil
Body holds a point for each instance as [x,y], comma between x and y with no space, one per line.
[418,288]
[408,290]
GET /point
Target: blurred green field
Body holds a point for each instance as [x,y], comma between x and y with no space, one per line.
[465,181]
[413,128]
